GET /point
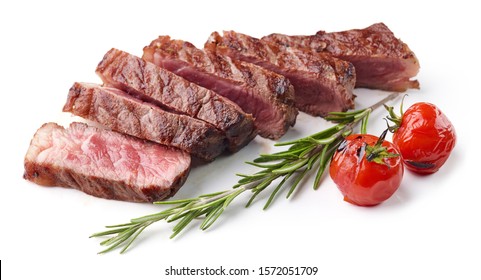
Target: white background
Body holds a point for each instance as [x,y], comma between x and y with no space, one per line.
[427,230]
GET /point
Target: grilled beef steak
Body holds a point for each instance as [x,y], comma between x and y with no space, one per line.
[104,163]
[121,112]
[381,60]
[178,101]
[163,88]
[322,83]
[269,97]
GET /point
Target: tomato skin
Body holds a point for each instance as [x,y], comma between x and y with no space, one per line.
[425,138]
[363,182]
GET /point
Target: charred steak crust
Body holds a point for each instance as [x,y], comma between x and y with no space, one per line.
[163,88]
[381,60]
[269,97]
[123,113]
[322,83]
[104,163]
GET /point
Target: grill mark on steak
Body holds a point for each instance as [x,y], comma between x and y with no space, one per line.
[104,163]
[322,83]
[121,112]
[381,60]
[269,97]
[163,88]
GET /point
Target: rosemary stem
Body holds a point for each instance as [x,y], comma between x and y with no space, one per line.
[292,164]
[203,202]
[384,100]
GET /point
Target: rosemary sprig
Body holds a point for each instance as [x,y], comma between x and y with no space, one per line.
[283,169]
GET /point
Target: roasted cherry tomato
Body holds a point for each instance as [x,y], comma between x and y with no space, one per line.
[424,136]
[366,169]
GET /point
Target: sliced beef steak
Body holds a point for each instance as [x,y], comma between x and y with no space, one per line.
[163,88]
[382,61]
[322,83]
[269,97]
[104,163]
[121,112]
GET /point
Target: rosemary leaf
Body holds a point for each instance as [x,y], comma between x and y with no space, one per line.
[277,156]
[291,167]
[324,160]
[122,236]
[327,140]
[250,179]
[318,135]
[156,216]
[179,201]
[120,225]
[184,222]
[139,231]
[364,123]
[312,161]
[212,217]
[322,166]
[213,194]
[296,182]
[276,190]
[109,232]
[257,189]
[266,166]
[307,151]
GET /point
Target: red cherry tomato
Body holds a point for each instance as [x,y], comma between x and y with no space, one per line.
[366,174]
[425,138]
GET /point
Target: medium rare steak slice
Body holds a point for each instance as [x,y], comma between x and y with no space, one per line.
[121,112]
[322,83]
[269,97]
[382,61]
[104,163]
[163,88]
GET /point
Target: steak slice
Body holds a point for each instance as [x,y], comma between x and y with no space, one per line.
[163,88]
[381,60]
[104,163]
[269,97]
[123,113]
[322,83]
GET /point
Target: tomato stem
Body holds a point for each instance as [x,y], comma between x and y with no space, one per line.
[378,153]
[396,119]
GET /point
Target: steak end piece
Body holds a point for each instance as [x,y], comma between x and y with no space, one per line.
[381,60]
[104,163]
[123,113]
[268,96]
[173,93]
[322,83]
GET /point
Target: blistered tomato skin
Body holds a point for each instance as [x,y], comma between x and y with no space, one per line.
[425,138]
[363,182]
